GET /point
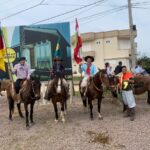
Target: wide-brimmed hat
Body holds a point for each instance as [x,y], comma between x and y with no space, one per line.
[91,57]
[57,59]
[22,58]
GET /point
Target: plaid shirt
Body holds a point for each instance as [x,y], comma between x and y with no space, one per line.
[21,71]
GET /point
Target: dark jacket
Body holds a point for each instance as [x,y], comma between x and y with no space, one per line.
[58,70]
[118,69]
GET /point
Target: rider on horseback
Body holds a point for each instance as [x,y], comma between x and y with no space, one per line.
[22,71]
[88,69]
[58,71]
[139,71]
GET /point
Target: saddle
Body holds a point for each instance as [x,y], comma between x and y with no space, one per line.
[18,87]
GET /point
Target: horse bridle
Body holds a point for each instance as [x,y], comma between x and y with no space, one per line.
[32,87]
[98,89]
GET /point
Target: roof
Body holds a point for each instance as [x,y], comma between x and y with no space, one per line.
[90,36]
[35,34]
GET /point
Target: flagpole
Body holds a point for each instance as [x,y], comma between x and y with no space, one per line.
[9,66]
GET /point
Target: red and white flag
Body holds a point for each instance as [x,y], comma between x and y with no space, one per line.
[78,44]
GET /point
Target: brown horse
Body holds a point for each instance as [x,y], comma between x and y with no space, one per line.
[94,90]
[140,86]
[57,92]
[30,91]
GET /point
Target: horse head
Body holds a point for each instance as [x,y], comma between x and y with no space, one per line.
[103,77]
[36,87]
[58,84]
[113,81]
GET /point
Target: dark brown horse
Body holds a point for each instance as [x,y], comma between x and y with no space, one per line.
[29,93]
[57,92]
[94,90]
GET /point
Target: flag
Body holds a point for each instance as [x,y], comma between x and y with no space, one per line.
[1,40]
[57,50]
[2,51]
[78,44]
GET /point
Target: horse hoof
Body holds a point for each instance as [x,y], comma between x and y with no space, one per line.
[92,118]
[22,116]
[28,127]
[32,123]
[148,102]
[63,120]
[56,120]
[100,118]
[10,119]
[65,112]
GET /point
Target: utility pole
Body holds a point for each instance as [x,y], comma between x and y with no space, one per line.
[133,52]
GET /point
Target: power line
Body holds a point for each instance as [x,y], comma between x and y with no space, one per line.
[21,11]
[138,7]
[68,12]
[20,4]
[99,15]
[81,12]
[103,13]
[67,4]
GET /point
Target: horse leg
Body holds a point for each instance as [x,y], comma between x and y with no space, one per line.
[56,111]
[19,110]
[27,114]
[84,100]
[99,108]
[65,108]
[11,107]
[91,107]
[62,112]
[31,112]
[148,99]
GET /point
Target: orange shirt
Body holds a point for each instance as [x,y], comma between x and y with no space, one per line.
[125,76]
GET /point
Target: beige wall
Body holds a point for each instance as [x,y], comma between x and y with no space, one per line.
[109,47]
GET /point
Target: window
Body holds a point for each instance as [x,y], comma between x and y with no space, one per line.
[108,42]
[124,44]
[98,42]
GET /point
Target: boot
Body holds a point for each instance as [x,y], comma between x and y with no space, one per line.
[132,114]
[125,107]
[127,113]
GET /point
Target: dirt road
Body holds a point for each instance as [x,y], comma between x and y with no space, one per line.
[78,132]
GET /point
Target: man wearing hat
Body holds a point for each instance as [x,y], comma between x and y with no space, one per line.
[58,70]
[88,69]
[22,71]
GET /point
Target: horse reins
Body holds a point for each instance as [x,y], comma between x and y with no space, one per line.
[98,89]
[32,88]
[101,78]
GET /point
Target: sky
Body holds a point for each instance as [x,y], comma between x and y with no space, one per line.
[104,16]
